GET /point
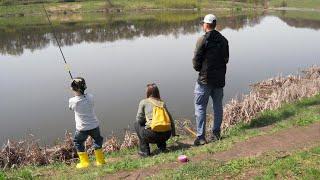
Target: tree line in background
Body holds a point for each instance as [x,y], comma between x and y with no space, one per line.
[25,2]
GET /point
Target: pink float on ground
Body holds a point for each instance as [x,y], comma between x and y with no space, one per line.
[183,158]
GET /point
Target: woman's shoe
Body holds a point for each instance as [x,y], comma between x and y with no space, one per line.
[162,147]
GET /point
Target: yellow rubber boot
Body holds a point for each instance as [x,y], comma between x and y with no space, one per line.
[99,157]
[84,160]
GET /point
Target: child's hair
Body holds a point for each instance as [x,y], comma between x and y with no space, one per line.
[79,84]
[153,91]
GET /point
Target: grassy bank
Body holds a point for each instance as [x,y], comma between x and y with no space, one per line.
[53,8]
[300,113]
[302,164]
[310,4]
[298,16]
[87,19]
[56,7]
[26,8]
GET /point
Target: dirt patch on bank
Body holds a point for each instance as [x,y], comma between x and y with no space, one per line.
[287,140]
[294,138]
[64,7]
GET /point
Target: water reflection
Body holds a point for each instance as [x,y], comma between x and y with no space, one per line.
[300,20]
[14,41]
[108,28]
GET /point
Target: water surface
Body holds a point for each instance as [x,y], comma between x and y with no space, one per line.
[119,55]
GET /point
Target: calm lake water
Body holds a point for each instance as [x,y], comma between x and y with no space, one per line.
[119,54]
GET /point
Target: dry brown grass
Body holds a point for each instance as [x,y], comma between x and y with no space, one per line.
[111,145]
[28,152]
[271,94]
[130,140]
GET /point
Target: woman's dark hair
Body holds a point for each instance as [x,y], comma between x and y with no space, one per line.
[153,91]
[79,84]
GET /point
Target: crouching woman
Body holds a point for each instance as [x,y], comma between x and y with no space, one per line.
[154,124]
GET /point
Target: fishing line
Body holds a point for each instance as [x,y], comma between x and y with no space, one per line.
[54,35]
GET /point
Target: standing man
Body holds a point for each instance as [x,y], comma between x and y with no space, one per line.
[210,59]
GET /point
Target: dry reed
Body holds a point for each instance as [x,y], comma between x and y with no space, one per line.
[130,140]
[271,94]
[28,152]
[111,145]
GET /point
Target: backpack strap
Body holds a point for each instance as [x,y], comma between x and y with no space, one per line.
[153,103]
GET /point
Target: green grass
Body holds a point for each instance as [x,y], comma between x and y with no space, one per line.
[298,111]
[155,4]
[210,4]
[86,19]
[2,175]
[312,4]
[37,9]
[207,169]
[301,113]
[303,164]
[55,7]
[95,6]
[60,21]
[302,17]
[16,8]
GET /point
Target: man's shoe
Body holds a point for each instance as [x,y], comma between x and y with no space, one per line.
[199,141]
[215,137]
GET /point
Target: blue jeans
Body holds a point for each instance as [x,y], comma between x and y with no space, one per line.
[202,92]
[81,136]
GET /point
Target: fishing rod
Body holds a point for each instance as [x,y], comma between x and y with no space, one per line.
[185,126]
[54,35]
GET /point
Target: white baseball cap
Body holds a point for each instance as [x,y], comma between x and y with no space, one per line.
[209,18]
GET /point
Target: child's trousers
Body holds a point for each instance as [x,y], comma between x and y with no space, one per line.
[81,136]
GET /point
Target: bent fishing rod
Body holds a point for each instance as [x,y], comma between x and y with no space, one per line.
[54,35]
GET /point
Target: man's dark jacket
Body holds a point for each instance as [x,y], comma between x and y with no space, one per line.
[210,59]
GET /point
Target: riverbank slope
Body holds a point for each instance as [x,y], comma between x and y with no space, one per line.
[259,158]
[17,8]
[35,7]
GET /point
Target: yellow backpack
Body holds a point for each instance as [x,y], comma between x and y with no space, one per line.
[160,119]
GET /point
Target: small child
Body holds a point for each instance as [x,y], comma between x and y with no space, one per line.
[87,123]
